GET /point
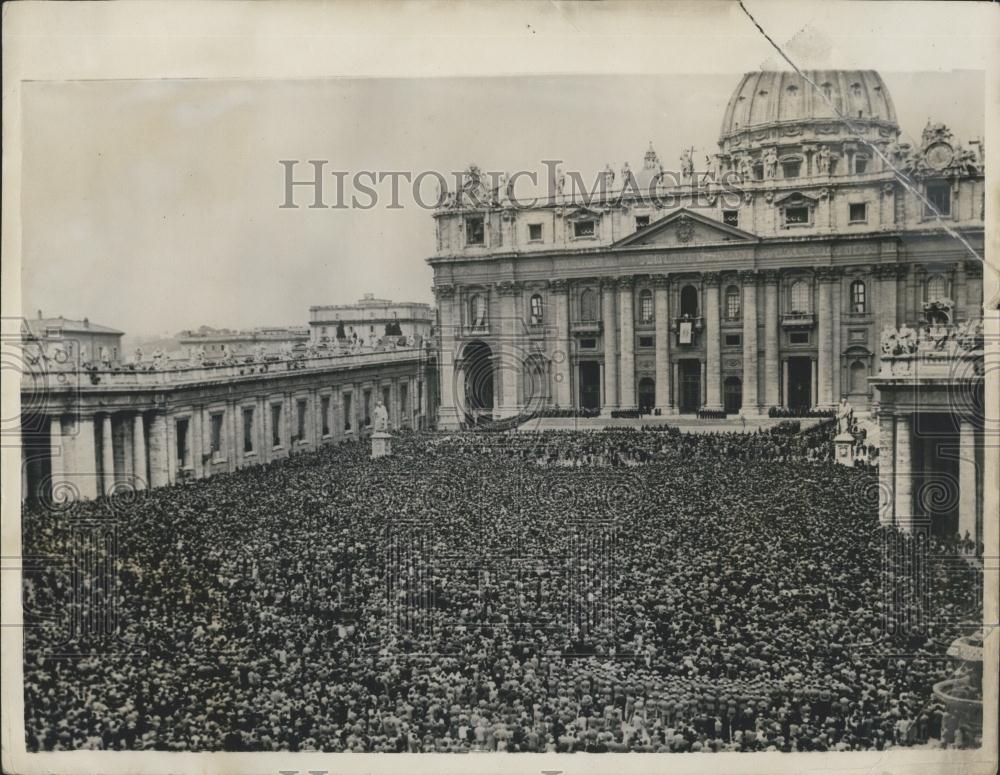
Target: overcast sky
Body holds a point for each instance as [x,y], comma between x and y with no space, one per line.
[153,206]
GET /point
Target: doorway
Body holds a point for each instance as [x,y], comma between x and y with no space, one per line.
[590,385]
[799,383]
[647,395]
[732,395]
[689,400]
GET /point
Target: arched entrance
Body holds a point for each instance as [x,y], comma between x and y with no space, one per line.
[799,383]
[647,394]
[477,370]
[732,395]
[535,387]
[590,385]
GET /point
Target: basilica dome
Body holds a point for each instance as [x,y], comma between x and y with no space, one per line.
[784,99]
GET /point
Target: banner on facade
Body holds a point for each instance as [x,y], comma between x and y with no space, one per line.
[685,332]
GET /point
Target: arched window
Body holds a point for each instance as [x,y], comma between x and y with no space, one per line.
[588,305]
[689,301]
[799,300]
[477,311]
[646,306]
[732,303]
[859,300]
[536,310]
[937,287]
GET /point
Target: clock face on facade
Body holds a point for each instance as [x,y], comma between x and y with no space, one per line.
[939,155]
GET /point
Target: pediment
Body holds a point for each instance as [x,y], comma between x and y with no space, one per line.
[685,228]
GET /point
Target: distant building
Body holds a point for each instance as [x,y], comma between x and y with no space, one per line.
[80,340]
[220,343]
[370,316]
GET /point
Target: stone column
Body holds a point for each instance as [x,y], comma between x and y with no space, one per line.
[140,477]
[886,276]
[814,384]
[107,455]
[626,325]
[195,441]
[159,466]
[784,382]
[713,356]
[561,348]
[967,480]
[886,468]
[751,402]
[836,304]
[903,473]
[57,451]
[661,311]
[772,387]
[448,415]
[824,314]
[84,459]
[609,330]
[509,362]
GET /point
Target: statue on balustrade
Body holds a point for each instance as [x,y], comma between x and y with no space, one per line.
[381,418]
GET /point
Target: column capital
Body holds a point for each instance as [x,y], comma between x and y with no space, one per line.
[771,276]
[443,290]
[749,276]
[625,282]
[827,274]
[509,287]
[558,285]
[971,268]
[711,278]
[889,271]
[661,281]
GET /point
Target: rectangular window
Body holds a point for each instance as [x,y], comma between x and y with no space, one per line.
[790,169]
[534,232]
[324,411]
[276,425]
[796,216]
[939,195]
[475,231]
[182,443]
[216,421]
[300,419]
[646,341]
[386,398]
[347,411]
[858,212]
[368,408]
[731,217]
[798,337]
[248,430]
[641,222]
[588,344]
[583,229]
[860,165]
[734,340]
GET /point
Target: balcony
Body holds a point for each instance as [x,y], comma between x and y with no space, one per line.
[476,329]
[798,320]
[686,330]
[586,327]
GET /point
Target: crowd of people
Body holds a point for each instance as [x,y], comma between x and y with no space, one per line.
[621,590]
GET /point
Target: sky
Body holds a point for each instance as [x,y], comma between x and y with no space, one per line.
[154,206]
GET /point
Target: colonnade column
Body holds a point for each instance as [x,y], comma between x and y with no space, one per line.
[139,476]
[886,468]
[751,402]
[447,411]
[661,312]
[83,457]
[626,315]
[967,480]
[159,464]
[57,452]
[903,473]
[772,388]
[713,388]
[509,361]
[107,455]
[609,329]
[825,277]
[561,350]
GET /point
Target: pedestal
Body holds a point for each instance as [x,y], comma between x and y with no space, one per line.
[381,444]
[843,447]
